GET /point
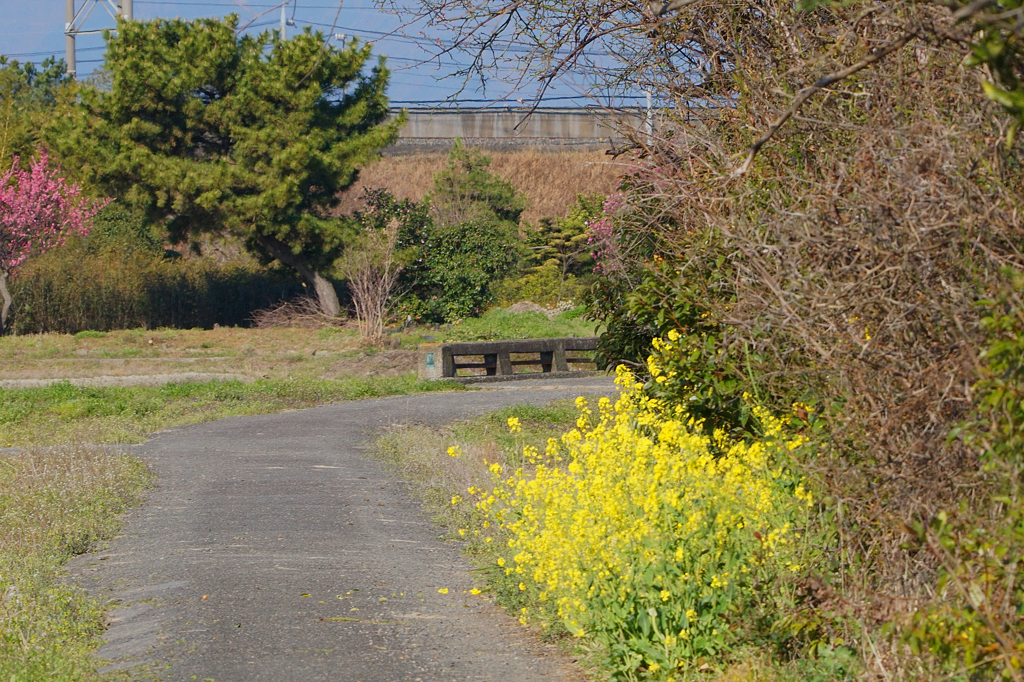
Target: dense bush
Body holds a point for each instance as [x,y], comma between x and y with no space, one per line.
[119,277]
[544,285]
[978,622]
[456,244]
[65,294]
[557,263]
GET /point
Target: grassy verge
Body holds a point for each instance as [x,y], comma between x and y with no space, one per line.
[500,324]
[53,504]
[62,413]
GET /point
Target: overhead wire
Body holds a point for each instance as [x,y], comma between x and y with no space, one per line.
[381,36]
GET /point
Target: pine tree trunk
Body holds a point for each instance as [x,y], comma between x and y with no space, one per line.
[326,296]
[7,301]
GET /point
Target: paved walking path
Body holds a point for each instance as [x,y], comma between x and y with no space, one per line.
[274,548]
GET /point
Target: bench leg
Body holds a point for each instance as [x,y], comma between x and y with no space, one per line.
[491,360]
[546,360]
[561,365]
[447,363]
[504,364]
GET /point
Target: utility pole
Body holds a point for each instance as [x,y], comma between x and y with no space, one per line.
[69,37]
[285,22]
[74,20]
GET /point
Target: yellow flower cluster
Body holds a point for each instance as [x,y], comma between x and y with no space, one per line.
[653,531]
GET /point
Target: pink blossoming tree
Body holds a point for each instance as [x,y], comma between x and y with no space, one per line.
[39,209]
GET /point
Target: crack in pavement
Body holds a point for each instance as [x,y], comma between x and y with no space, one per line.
[274,548]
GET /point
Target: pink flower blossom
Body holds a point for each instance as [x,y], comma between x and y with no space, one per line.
[601,234]
[39,209]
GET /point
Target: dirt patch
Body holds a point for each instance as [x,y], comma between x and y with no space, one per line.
[530,307]
[384,364]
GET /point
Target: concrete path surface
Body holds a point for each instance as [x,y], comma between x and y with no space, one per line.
[274,548]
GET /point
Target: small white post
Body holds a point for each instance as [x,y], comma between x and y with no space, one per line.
[649,119]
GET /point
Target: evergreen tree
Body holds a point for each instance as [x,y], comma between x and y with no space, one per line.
[210,130]
[473,241]
[28,97]
[467,192]
[563,244]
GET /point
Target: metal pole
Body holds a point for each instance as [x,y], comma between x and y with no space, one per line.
[649,123]
[69,37]
[284,25]
[126,10]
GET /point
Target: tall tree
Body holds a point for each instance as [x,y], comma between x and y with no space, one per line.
[210,130]
[28,96]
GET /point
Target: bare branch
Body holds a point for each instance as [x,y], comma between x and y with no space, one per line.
[806,93]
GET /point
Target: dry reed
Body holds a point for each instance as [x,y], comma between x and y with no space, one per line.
[549,180]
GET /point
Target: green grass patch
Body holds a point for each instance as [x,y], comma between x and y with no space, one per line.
[55,503]
[63,413]
[500,324]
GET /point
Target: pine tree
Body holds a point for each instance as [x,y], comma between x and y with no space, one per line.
[29,95]
[209,130]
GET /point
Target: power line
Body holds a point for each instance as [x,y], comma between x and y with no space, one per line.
[224,4]
[427,41]
[51,52]
[524,101]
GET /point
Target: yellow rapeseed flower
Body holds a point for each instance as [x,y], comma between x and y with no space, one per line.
[642,487]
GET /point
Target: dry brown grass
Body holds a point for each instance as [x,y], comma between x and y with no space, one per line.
[550,180]
[50,495]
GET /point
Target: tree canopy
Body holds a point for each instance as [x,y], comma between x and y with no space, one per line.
[28,94]
[209,130]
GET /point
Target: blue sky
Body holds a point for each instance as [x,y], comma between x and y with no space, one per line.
[34,29]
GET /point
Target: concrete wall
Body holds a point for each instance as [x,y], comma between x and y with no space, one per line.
[573,128]
[483,123]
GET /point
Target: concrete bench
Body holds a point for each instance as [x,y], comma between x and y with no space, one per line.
[553,356]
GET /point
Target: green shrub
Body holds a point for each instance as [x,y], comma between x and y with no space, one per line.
[564,243]
[499,324]
[120,231]
[450,269]
[545,285]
